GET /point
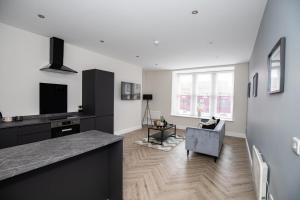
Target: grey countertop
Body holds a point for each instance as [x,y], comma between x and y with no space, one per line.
[23,123]
[20,159]
[36,120]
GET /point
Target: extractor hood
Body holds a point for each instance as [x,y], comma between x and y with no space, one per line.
[57,57]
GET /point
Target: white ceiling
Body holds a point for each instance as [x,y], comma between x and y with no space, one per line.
[129,28]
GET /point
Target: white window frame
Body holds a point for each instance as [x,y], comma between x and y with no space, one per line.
[194,73]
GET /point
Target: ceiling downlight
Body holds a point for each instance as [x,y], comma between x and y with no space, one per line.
[195,12]
[41,16]
[156,42]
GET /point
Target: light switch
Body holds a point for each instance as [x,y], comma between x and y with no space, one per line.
[296,145]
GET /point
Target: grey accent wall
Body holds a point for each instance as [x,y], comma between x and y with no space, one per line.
[273,120]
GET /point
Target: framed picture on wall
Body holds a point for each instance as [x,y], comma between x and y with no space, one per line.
[130,91]
[126,91]
[136,91]
[276,67]
[255,84]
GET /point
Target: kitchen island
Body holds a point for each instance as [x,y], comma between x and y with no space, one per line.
[87,166]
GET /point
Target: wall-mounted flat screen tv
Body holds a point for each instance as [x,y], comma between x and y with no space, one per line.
[130,91]
[53,98]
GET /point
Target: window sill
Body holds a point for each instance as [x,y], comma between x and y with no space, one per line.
[194,117]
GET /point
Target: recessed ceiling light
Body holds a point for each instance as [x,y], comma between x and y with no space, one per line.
[41,16]
[195,12]
[102,41]
[156,42]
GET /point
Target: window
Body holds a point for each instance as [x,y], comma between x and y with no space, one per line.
[224,94]
[205,91]
[184,94]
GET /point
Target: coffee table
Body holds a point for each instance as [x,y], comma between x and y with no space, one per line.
[162,132]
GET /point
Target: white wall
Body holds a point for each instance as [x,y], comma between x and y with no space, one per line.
[159,83]
[23,53]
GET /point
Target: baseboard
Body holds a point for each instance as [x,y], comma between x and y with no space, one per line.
[235,134]
[127,130]
[249,152]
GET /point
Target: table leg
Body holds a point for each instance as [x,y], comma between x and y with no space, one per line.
[175,131]
[148,134]
[162,137]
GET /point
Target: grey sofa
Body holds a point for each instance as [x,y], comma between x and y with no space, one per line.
[205,141]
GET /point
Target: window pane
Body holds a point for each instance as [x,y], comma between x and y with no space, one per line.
[203,104]
[184,104]
[224,94]
[224,104]
[203,93]
[185,84]
[184,94]
[209,93]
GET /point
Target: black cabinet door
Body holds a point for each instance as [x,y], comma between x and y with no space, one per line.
[87,124]
[104,93]
[34,133]
[98,92]
[8,137]
[33,137]
[88,91]
[105,124]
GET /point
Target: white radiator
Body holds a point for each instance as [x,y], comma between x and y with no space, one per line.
[260,174]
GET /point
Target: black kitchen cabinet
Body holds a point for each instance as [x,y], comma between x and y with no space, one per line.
[34,133]
[8,137]
[38,128]
[87,124]
[105,124]
[14,136]
[98,98]
[33,137]
[104,93]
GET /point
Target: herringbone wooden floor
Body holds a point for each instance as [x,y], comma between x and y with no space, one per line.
[154,174]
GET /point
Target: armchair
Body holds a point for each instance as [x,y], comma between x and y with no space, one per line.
[205,141]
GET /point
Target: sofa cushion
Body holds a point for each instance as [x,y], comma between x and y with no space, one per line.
[210,126]
[211,123]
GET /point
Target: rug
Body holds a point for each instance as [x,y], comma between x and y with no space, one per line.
[168,144]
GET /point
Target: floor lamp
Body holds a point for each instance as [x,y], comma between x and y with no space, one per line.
[147,114]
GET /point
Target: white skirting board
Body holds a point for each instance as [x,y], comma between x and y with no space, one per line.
[127,130]
[249,154]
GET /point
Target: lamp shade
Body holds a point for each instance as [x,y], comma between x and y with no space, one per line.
[147,97]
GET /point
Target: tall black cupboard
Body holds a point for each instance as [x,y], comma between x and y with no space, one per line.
[98,98]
